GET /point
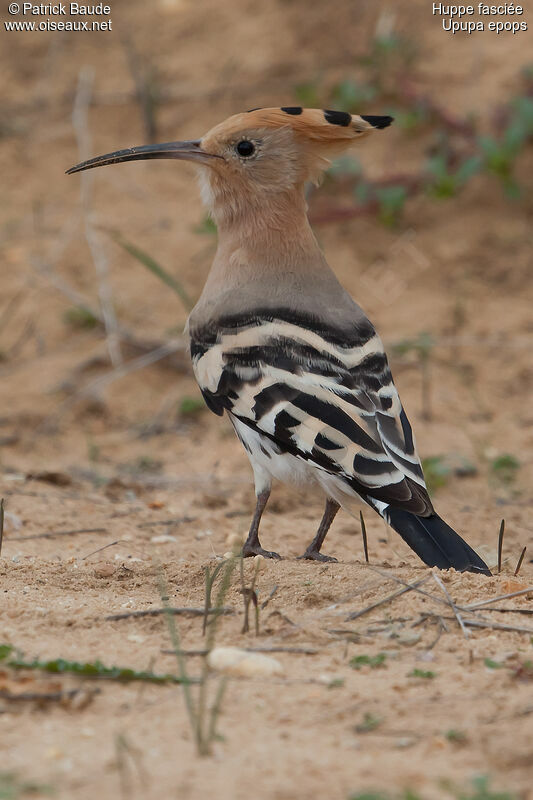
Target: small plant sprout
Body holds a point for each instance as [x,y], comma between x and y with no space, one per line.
[426,674]
[370,723]
[207,227]
[504,468]
[357,662]
[191,406]
[249,594]
[491,664]
[202,718]
[210,578]
[12,787]
[456,736]
[80,317]
[89,669]
[436,472]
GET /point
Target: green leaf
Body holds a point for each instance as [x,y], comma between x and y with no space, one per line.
[505,467]
[391,201]
[191,406]
[80,317]
[371,661]
[427,674]
[308,94]
[5,651]
[207,226]
[369,723]
[456,736]
[436,472]
[350,96]
[89,669]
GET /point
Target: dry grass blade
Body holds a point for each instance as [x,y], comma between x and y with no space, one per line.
[80,123]
[143,89]
[496,626]
[154,612]
[171,521]
[303,651]
[502,609]
[452,605]
[269,598]
[406,583]
[500,545]
[209,581]
[46,697]
[51,534]
[519,564]
[249,595]
[105,546]
[186,653]
[11,307]
[388,599]
[96,386]
[363,534]
[154,267]
[482,603]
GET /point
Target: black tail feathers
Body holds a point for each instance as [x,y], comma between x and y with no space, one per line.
[434,541]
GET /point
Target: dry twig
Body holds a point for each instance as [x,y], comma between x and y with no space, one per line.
[363,534]
[519,564]
[500,545]
[452,604]
[482,603]
[80,123]
[51,534]
[155,612]
[388,599]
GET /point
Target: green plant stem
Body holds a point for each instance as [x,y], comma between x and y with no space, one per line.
[182,668]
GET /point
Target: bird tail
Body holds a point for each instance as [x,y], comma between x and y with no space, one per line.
[434,541]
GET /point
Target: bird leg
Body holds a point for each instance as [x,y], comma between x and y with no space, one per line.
[313,551]
[252,545]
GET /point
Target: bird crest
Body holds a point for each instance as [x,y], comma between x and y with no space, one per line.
[320,125]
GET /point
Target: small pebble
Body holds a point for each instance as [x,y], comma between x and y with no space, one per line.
[164,538]
[104,569]
[241,663]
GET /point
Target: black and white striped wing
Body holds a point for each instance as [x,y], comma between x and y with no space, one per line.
[330,403]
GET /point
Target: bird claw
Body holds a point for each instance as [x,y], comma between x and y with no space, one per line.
[250,550]
[314,555]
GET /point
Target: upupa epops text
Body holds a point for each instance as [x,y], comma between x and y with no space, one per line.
[280,346]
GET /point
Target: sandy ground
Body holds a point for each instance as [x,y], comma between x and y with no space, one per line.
[161,490]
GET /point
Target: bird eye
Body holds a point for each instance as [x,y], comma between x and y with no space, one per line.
[245,148]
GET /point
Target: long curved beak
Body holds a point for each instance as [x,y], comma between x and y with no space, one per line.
[187,151]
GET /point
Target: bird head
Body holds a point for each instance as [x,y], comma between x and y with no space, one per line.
[258,154]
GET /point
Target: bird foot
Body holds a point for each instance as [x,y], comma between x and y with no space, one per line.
[314,555]
[250,550]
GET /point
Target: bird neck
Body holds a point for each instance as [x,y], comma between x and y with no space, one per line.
[268,257]
[270,233]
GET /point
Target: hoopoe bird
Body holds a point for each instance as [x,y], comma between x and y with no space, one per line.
[280,346]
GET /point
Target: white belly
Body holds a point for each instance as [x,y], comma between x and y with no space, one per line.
[269,463]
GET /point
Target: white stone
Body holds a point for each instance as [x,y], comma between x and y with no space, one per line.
[241,663]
